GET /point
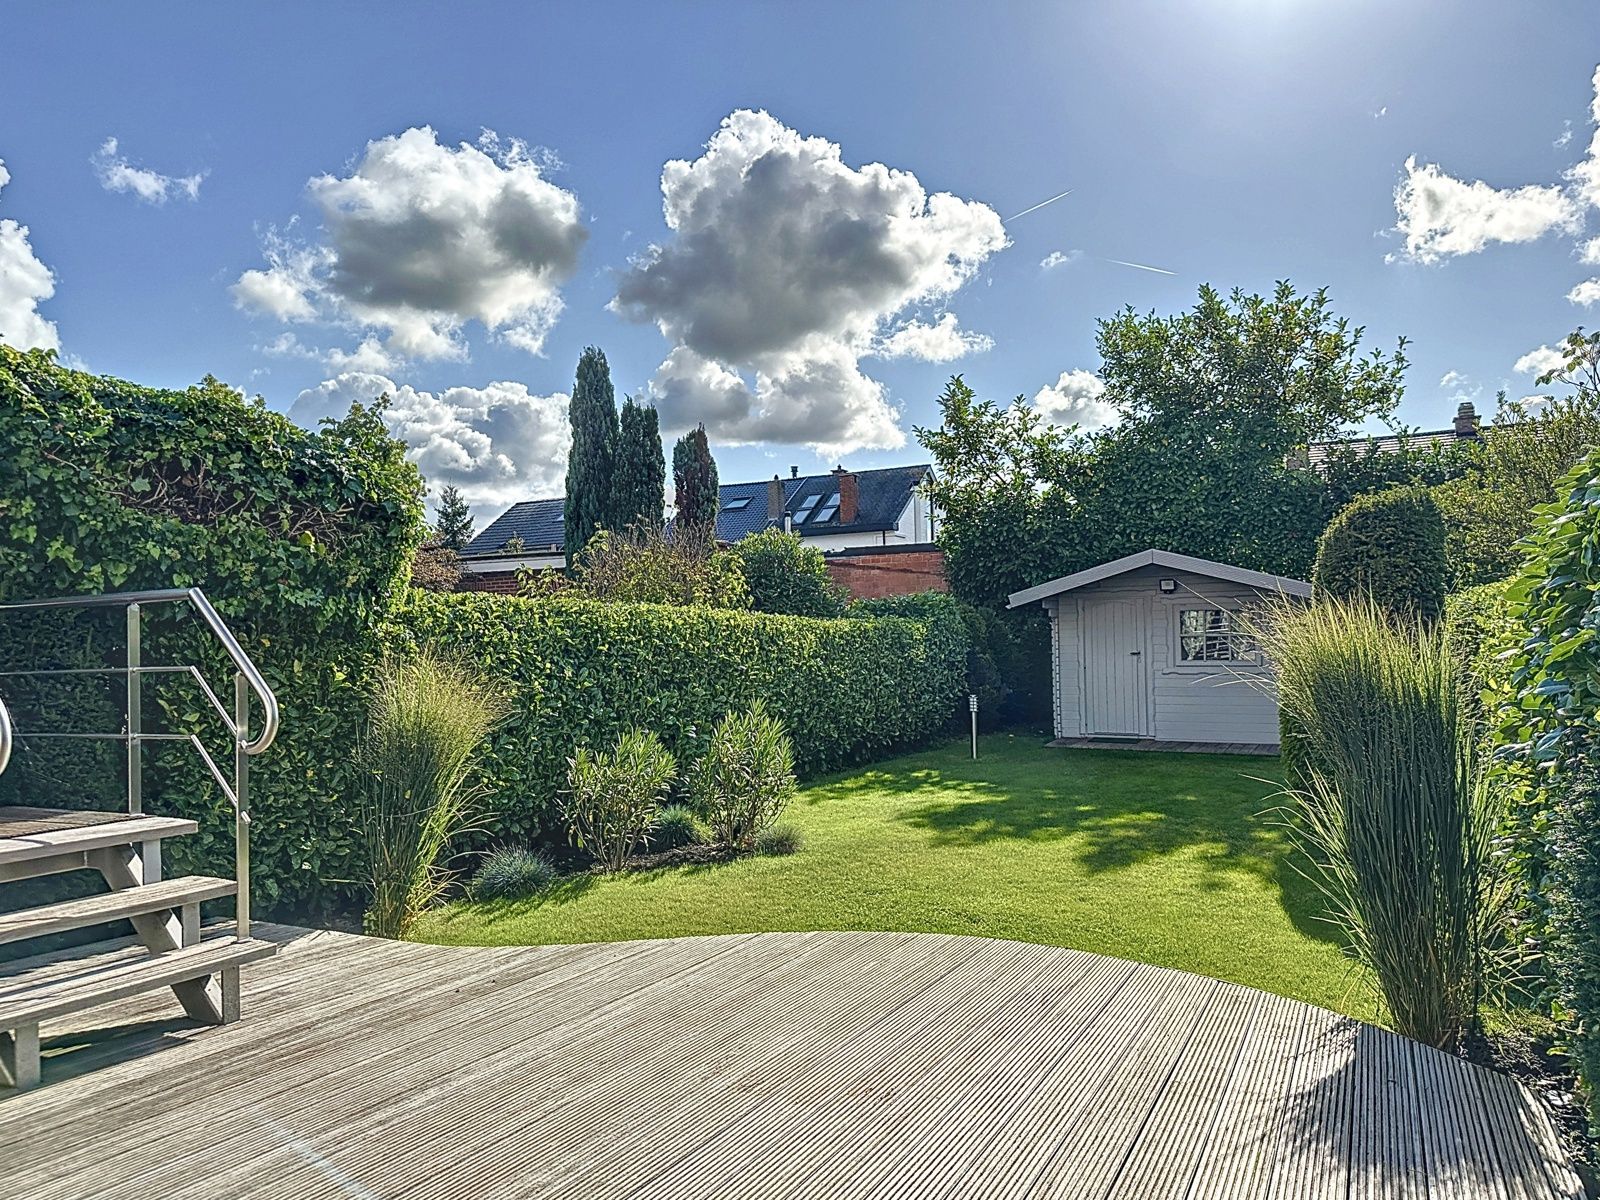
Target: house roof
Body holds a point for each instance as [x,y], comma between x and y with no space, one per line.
[884,494]
[1169,560]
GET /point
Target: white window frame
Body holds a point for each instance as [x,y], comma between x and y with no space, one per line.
[1208,666]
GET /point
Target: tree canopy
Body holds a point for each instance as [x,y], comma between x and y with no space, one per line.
[640,483]
[694,481]
[453,525]
[591,463]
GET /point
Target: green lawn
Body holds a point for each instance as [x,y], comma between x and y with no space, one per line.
[1172,859]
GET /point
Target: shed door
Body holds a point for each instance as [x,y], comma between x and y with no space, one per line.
[1116,675]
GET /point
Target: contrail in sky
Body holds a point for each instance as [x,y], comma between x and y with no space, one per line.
[1141,267]
[1042,203]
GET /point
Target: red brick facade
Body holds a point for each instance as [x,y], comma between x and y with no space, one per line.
[502,582]
[869,574]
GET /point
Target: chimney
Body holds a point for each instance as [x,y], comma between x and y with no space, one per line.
[794,472]
[774,501]
[1466,424]
[849,496]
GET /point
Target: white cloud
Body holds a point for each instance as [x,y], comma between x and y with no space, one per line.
[420,239]
[1585,176]
[1077,398]
[1452,379]
[1441,216]
[1586,293]
[117,174]
[943,341]
[369,356]
[787,265]
[498,443]
[1537,362]
[1058,258]
[24,282]
[1564,137]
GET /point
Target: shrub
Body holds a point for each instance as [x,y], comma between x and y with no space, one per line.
[613,796]
[678,825]
[1393,814]
[428,717]
[746,778]
[779,840]
[512,873]
[1388,546]
[580,672]
[787,576]
[644,565]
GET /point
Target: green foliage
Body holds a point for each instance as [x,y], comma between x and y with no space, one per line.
[785,575]
[779,840]
[300,540]
[512,873]
[695,491]
[428,717]
[644,565]
[591,462]
[640,483]
[1573,919]
[579,672]
[1514,468]
[1393,814]
[1388,546]
[745,779]
[1475,626]
[452,527]
[678,825]
[436,568]
[613,796]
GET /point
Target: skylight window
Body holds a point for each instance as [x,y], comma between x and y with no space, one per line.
[809,503]
[827,513]
[736,505]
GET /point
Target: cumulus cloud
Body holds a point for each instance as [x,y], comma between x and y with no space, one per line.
[1059,258]
[1586,293]
[1077,398]
[117,174]
[24,282]
[421,238]
[1537,362]
[1441,216]
[498,443]
[943,341]
[787,265]
[1452,379]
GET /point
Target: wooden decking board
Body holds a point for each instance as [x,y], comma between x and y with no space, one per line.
[810,1065]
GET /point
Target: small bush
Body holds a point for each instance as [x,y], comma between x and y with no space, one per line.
[647,565]
[779,840]
[428,717]
[1389,547]
[678,825]
[786,576]
[746,778]
[512,873]
[613,796]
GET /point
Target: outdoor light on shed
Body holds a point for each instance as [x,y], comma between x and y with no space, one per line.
[1168,586]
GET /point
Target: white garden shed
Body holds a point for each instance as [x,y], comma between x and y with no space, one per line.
[1149,649]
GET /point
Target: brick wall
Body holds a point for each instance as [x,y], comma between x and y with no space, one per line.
[893,572]
[501,582]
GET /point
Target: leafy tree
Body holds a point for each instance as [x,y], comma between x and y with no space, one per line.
[640,482]
[787,576]
[591,463]
[435,567]
[694,482]
[453,527]
[642,565]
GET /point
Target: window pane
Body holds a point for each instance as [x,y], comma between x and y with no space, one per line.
[1212,635]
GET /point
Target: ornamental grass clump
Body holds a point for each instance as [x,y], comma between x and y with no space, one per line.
[512,873]
[746,778]
[1392,811]
[613,796]
[426,718]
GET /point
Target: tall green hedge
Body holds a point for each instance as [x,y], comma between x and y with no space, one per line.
[300,539]
[1549,737]
[1389,546]
[579,672]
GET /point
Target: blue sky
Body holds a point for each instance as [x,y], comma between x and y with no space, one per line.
[805,308]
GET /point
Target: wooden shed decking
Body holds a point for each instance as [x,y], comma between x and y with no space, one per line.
[764,1065]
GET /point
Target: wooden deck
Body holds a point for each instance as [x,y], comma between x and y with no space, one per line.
[877,1065]
[1089,743]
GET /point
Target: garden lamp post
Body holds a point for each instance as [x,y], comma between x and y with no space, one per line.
[972,707]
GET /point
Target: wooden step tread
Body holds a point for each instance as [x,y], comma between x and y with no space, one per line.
[59,831]
[95,910]
[64,994]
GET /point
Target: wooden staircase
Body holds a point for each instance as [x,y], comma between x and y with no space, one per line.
[170,949]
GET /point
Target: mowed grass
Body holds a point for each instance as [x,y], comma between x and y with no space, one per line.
[1173,859]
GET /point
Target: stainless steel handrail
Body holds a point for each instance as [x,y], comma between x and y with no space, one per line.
[208,614]
[5,737]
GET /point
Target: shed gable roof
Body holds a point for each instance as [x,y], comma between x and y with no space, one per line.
[1173,562]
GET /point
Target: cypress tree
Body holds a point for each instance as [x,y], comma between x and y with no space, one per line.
[694,480]
[453,527]
[640,488]
[591,462]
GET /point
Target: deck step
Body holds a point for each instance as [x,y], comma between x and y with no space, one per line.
[34,833]
[112,906]
[63,993]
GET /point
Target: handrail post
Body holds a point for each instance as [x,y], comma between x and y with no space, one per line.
[135,714]
[241,792]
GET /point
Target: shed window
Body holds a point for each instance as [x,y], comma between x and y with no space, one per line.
[1213,635]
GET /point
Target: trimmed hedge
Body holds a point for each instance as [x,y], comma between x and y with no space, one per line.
[1389,546]
[580,672]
